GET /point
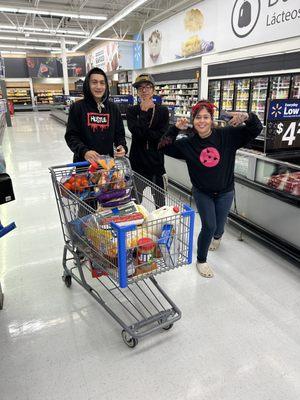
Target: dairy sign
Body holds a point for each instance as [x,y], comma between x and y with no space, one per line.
[250,22]
[283,126]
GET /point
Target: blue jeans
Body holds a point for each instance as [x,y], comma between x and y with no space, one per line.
[213,211]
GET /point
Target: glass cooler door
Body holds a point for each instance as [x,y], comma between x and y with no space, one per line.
[280,86]
[242,94]
[295,92]
[259,97]
[227,95]
[214,95]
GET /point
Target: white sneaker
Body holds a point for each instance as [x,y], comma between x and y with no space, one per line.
[204,270]
[215,243]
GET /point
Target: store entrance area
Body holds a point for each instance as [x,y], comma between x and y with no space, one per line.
[239,336]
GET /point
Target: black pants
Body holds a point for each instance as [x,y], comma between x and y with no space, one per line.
[158,196]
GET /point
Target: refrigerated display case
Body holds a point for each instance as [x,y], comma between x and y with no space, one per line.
[227,95]
[267,202]
[242,95]
[280,86]
[295,87]
[214,91]
[258,100]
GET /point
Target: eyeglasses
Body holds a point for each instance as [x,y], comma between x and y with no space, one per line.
[144,88]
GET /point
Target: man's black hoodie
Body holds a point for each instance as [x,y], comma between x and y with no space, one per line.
[89,129]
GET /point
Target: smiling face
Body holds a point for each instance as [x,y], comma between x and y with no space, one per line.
[203,122]
[97,86]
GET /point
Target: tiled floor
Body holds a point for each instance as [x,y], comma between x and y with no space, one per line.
[238,339]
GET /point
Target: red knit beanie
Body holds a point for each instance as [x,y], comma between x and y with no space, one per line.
[203,104]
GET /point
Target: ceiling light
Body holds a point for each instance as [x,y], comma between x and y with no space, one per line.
[19,46]
[122,14]
[52,31]
[52,13]
[26,39]
[12,52]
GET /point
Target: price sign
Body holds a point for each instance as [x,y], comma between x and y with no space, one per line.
[283,126]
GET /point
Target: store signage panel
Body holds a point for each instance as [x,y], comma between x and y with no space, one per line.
[184,35]
[111,56]
[283,126]
[284,109]
[218,25]
[244,23]
[128,99]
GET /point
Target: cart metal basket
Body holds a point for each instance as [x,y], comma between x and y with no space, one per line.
[106,257]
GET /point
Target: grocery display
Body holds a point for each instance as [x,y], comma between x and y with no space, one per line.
[125,88]
[20,96]
[46,96]
[178,96]
[251,94]
[275,185]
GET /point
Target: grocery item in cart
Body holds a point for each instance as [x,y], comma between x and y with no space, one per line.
[160,215]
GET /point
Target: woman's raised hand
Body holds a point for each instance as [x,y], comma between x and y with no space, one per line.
[182,124]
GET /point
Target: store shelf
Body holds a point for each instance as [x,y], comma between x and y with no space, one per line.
[183,93]
[20,97]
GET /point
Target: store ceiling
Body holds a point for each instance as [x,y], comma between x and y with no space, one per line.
[39,25]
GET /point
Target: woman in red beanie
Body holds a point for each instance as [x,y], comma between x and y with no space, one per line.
[210,155]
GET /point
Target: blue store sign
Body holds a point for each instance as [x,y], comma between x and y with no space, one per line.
[128,99]
[284,109]
[283,126]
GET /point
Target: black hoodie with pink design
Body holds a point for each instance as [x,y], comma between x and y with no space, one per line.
[210,161]
[89,129]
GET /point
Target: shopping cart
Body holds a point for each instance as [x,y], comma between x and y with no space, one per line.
[117,262]
[4,230]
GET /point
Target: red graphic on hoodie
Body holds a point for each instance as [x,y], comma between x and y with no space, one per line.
[98,121]
[209,157]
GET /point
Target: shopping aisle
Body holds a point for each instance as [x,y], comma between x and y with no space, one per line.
[239,337]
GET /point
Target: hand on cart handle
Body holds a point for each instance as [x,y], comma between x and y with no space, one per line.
[120,151]
[92,156]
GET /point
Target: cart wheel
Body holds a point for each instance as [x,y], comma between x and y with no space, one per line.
[129,340]
[68,280]
[165,328]
[168,327]
[1,301]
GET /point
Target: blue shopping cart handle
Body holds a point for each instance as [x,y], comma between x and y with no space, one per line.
[79,164]
[5,229]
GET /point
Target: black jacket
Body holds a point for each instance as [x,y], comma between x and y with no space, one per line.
[144,156]
[210,161]
[87,129]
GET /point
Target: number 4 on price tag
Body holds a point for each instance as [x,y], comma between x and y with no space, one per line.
[290,134]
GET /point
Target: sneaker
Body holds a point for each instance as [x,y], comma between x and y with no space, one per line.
[204,269]
[215,243]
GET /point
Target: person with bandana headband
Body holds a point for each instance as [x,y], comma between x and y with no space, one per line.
[95,126]
[210,156]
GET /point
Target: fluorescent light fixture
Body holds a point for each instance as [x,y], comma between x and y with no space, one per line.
[19,46]
[52,13]
[120,15]
[12,52]
[26,39]
[45,30]
[44,34]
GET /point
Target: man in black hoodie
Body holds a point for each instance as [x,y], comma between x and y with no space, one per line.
[95,124]
[147,123]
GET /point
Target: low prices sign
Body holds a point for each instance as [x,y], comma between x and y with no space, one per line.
[283,126]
